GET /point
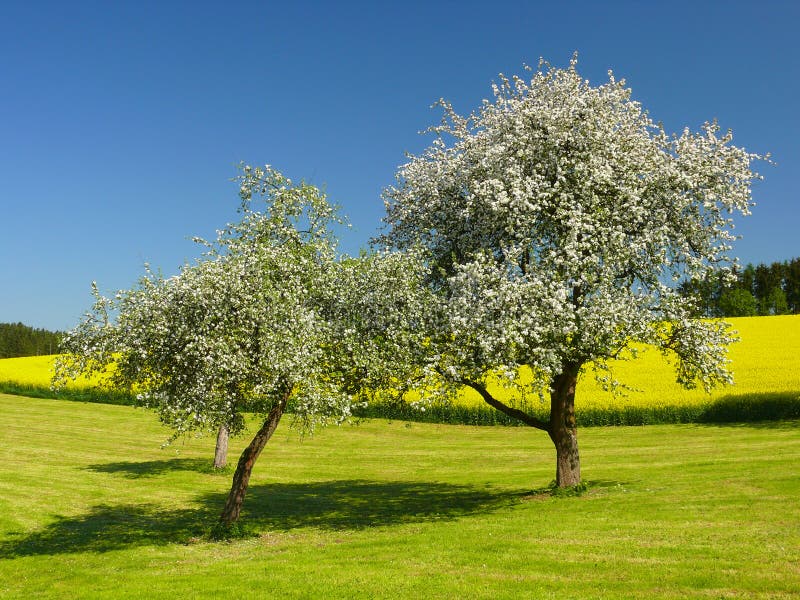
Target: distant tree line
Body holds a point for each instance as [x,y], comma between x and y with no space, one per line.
[758,290]
[17,339]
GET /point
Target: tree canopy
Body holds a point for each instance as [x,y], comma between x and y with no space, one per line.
[270,318]
[555,221]
[546,232]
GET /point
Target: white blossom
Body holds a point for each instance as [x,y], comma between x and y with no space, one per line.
[553,221]
[271,305]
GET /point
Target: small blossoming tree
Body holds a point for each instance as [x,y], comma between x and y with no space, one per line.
[271,319]
[555,221]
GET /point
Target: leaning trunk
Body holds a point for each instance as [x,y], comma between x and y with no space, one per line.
[221,450]
[562,428]
[241,478]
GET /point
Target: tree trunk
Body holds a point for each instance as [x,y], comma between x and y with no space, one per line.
[221,450]
[562,429]
[241,477]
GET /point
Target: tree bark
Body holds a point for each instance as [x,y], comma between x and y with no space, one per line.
[221,449]
[562,428]
[241,477]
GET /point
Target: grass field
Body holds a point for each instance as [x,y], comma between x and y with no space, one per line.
[90,507]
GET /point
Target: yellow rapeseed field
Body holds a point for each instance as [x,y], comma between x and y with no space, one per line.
[33,370]
[766,360]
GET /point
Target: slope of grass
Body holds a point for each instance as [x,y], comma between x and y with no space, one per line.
[90,507]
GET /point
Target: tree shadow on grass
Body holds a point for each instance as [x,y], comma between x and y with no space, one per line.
[754,409]
[152,468]
[327,505]
[105,528]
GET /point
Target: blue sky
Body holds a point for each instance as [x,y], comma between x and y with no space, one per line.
[121,124]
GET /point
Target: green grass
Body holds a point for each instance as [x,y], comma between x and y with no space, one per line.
[90,507]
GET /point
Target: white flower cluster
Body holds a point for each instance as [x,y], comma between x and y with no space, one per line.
[270,307]
[545,231]
[552,221]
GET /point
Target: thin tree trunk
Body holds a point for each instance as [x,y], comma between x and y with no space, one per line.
[221,450]
[241,477]
[562,429]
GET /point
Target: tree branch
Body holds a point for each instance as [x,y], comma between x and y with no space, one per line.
[504,408]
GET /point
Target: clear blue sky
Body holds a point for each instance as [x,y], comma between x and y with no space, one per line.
[121,123]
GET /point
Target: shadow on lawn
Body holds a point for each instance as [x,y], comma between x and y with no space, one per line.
[332,505]
[152,468]
[757,409]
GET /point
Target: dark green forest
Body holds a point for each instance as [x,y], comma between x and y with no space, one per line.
[17,339]
[758,290]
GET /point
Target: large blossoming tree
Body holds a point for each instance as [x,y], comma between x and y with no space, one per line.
[270,320]
[555,221]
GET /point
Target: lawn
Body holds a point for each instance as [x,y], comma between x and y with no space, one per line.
[92,507]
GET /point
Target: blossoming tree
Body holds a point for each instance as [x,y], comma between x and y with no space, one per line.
[271,319]
[555,221]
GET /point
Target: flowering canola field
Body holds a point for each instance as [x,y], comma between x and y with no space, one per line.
[765,360]
[33,370]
